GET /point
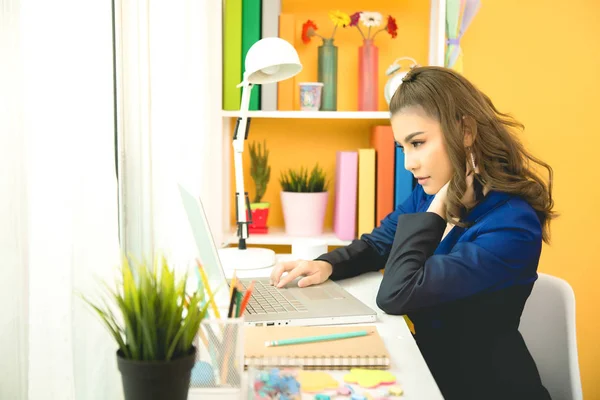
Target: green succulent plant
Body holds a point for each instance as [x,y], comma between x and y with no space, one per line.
[301,181]
[154,319]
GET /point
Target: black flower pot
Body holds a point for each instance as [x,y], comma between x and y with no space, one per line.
[152,380]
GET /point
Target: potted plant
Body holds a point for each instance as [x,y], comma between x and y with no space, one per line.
[260,171]
[304,201]
[154,322]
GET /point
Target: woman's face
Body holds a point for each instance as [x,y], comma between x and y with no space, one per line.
[425,154]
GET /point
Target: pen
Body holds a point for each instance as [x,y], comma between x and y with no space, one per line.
[233,283]
[232,302]
[319,338]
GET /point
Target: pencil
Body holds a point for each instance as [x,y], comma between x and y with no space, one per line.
[238,303]
[232,302]
[233,283]
[319,338]
[208,290]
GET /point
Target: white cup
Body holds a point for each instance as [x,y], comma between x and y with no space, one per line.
[308,249]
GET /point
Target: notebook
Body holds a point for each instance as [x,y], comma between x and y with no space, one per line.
[364,352]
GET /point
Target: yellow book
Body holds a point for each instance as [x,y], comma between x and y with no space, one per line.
[366,191]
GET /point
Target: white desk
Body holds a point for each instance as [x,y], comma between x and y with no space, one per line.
[408,364]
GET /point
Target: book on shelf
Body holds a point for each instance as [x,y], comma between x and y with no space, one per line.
[403,179]
[366,191]
[382,140]
[270,28]
[285,88]
[345,196]
[251,30]
[232,54]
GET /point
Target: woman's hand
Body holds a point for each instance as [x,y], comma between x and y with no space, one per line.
[438,205]
[314,272]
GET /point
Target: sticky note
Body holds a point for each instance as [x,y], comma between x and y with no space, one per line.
[395,390]
[316,381]
[369,378]
[344,391]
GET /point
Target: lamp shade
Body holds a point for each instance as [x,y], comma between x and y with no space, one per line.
[270,60]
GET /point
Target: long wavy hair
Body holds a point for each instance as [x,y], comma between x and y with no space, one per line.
[503,162]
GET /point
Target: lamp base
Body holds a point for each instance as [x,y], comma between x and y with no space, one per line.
[232,258]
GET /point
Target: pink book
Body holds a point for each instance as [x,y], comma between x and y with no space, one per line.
[346,180]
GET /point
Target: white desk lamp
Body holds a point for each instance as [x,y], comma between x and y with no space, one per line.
[268,60]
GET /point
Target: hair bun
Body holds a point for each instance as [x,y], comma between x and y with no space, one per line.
[410,75]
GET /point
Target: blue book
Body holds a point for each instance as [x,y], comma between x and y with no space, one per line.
[403,179]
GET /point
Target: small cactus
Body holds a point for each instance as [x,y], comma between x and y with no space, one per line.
[260,171]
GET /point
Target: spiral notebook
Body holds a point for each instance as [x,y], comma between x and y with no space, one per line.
[365,351]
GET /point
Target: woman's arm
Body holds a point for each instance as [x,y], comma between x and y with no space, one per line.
[507,245]
[371,251]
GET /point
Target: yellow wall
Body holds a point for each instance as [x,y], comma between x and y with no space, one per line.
[540,61]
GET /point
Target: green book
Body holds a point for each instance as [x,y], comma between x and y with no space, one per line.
[232,54]
[251,27]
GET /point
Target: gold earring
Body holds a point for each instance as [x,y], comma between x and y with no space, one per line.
[473,162]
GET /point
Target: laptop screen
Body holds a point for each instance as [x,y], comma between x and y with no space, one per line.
[207,251]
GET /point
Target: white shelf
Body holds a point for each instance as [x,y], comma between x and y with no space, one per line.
[312,114]
[277,236]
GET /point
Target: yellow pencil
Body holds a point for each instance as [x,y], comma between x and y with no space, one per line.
[208,291]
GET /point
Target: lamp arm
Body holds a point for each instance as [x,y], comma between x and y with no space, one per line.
[239,137]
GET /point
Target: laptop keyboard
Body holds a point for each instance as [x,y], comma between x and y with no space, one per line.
[267,299]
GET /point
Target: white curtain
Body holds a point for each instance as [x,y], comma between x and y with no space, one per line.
[59,208]
[59,199]
[13,211]
[170,120]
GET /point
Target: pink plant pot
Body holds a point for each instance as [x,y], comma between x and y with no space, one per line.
[304,213]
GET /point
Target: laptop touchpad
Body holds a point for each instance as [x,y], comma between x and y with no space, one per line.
[315,293]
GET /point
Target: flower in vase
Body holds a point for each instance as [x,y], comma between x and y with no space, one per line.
[309,28]
[354,18]
[391,27]
[371,19]
[339,18]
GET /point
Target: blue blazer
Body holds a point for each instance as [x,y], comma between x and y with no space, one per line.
[501,249]
[465,293]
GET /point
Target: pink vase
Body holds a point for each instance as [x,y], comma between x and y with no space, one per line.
[304,213]
[368,79]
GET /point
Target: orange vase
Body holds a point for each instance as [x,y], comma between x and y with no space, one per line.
[368,80]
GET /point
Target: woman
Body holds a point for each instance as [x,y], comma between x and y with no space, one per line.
[461,254]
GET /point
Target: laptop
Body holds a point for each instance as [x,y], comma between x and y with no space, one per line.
[324,304]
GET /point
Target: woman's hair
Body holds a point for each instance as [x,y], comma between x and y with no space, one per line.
[503,162]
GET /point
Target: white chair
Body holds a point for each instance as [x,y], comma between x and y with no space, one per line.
[548,327]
